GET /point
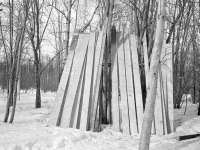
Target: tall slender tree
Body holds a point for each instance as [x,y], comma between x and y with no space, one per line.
[151,92]
[36,38]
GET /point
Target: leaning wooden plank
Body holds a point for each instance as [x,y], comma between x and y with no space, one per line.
[146,61]
[63,87]
[81,100]
[78,98]
[169,102]
[114,74]
[122,85]
[158,110]
[98,115]
[137,82]
[130,87]
[77,69]
[165,57]
[99,109]
[97,56]
[162,71]
[96,77]
[170,84]
[84,123]
[163,106]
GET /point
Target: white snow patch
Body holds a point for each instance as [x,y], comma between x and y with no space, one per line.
[30,131]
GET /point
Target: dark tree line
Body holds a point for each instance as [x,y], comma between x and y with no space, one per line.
[49,77]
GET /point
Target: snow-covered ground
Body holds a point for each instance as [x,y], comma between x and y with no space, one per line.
[30,131]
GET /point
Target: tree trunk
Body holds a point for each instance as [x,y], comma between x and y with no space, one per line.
[12,78]
[67,30]
[18,84]
[15,85]
[194,64]
[10,96]
[151,92]
[199,103]
[38,95]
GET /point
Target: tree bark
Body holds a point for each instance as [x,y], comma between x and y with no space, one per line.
[67,30]
[151,92]
[199,104]
[38,95]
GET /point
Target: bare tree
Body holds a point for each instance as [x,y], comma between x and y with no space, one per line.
[151,92]
[36,37]
[16,58]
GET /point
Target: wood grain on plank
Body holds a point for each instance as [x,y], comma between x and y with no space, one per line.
[75,121]
[137,82]
[63,87]
[130,87]
[99,53]
[76,69]
[158,109]
[88,87]
[166,56]
[162,71]
[79,107]
[162,102]
[146,60]
[169,82]
[115,85]
[122,86]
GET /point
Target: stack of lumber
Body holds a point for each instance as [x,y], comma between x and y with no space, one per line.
[76,100]
[127,103]
[78,103]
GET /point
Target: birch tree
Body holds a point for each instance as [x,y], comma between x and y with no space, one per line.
[151,92]
[15,59]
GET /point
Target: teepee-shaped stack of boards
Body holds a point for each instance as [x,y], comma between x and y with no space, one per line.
[76,100]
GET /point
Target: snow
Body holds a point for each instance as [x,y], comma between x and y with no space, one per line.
[30,131]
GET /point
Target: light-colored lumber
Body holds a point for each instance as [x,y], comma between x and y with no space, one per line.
[122,85]
[162,71]
[137,82]
[163,105]
[79,109]
[75,121]
[63,87]
[158,109]
[98,116]
[130,87]
[166,57]
[99,52]
[146,60]
[114,76]
[88,87]
[168,75]
[78,63]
